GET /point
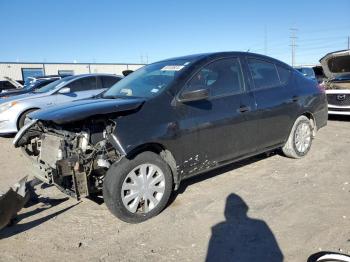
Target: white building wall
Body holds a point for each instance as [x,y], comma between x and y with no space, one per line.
[14,70]
[52,69]
[134,67]
[112,69]
[109,69]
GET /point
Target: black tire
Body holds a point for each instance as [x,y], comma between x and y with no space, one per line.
[290,149]
[23,117]
[117,173]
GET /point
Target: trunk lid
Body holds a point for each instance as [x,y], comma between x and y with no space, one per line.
[336,65]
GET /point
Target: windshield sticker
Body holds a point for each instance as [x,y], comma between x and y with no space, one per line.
[154,90]
[172,68]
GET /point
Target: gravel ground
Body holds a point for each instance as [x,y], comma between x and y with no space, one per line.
[268,207]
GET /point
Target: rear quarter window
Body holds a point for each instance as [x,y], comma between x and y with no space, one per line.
[285,74]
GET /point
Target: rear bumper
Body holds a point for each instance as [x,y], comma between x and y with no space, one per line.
[321,117]
[338,110]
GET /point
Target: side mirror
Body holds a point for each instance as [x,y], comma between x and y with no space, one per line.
[196,95]
[127,72]
[64,90]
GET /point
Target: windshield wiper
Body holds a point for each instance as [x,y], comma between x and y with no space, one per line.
[109,97]
[116,97]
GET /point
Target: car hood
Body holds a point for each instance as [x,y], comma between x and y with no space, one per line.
[336,65]
[14,92]
[82,109]
[22,97]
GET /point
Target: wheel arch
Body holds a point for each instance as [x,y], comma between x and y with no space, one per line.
[165,154]
[24,112]
[311,117]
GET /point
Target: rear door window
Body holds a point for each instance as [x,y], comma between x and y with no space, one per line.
[221,77]
[83,84]
[108,81]
[284,74]
[264,74]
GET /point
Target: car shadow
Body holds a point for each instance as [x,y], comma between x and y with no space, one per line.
[98,198]
[14,228]
[7,135]
[221,170]
[241,238]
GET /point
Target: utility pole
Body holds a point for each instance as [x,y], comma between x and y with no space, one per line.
[141,59]
[293,44]
[348,42]
[265,40]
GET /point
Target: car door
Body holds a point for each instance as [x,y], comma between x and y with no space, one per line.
[276,104]
[80,88]
[216,129]
[108,81]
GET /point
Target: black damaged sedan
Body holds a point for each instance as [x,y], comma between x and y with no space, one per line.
[171,120]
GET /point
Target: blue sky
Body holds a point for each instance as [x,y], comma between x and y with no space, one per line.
[126,31]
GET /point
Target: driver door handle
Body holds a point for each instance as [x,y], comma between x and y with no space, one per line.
[295,98]
[243,109]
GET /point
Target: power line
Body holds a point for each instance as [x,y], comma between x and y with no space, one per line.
[293,44]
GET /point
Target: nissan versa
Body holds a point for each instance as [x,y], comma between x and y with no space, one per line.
[171,120]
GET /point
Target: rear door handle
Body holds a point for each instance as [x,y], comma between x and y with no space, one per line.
[243,109]
[295,98]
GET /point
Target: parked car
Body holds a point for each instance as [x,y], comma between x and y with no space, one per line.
[30,85]
[171,120]
[308,72]
[319,73]
[13,110]
[336,67]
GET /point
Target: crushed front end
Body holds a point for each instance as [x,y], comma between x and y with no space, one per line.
[73,157]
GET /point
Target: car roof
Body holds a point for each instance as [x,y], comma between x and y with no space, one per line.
[68,78]
[197,57]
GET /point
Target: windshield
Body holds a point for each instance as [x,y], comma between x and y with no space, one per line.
[51,86]
[309,72]
[148,81]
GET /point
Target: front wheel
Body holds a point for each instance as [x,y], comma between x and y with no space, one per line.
[300,138]
[138,189]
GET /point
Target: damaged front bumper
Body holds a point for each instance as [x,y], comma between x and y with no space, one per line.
[69,160]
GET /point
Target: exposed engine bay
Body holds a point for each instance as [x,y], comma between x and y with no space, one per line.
[74,157]
[336,84]
[336,67]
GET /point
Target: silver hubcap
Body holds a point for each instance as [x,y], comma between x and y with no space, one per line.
[143,188]
[302,137]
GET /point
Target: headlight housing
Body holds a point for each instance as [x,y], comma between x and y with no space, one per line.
[6,106]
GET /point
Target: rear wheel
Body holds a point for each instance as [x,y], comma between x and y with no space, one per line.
[138,189]
[300,138]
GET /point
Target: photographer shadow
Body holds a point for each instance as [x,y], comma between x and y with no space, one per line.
[241,238]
